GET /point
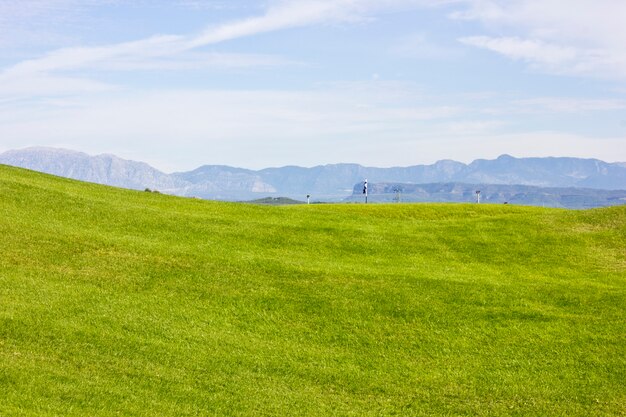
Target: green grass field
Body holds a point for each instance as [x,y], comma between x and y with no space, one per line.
[116,302]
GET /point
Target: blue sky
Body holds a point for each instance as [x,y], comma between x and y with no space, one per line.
[182,83]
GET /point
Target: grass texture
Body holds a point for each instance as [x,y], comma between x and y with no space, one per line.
[115,302]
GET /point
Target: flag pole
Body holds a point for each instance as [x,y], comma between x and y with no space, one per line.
[365,190]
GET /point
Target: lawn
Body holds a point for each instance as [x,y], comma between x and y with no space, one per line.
[118,302]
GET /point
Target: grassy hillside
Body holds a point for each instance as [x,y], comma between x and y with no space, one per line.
[115,302]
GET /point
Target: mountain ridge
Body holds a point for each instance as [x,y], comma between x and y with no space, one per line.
[454,192]
[330,182]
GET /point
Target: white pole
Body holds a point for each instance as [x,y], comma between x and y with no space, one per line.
[365,190]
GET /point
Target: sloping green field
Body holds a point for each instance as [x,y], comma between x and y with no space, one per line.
[116,302]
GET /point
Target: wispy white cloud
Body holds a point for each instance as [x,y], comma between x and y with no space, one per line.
[587,23]
[532,51]
[519,106]
[198,61]
[168,52]
[557,39]
[579,37]
[554,38]
[46,85]
[284,14]
[85,57]
[568,105]
[210,4]
[544,143]
[289,14]
[280,15]
[553,58]
[419,46]
[56,72]
[471,128]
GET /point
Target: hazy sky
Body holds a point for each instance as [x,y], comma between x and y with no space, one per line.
[181,83]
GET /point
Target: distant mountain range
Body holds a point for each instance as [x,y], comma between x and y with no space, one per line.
[102,169]
[333,182]
[567,197]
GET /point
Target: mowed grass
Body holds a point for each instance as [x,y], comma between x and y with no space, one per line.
[116,302]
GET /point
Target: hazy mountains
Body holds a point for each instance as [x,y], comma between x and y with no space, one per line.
[574,198]
[328,182]
[335,182]
[101,169]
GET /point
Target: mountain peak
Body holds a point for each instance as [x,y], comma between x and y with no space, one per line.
[505,157]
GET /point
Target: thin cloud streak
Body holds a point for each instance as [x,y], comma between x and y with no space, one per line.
[580,38]
[163,52]
[568,105]
[282,15]
[555,59]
